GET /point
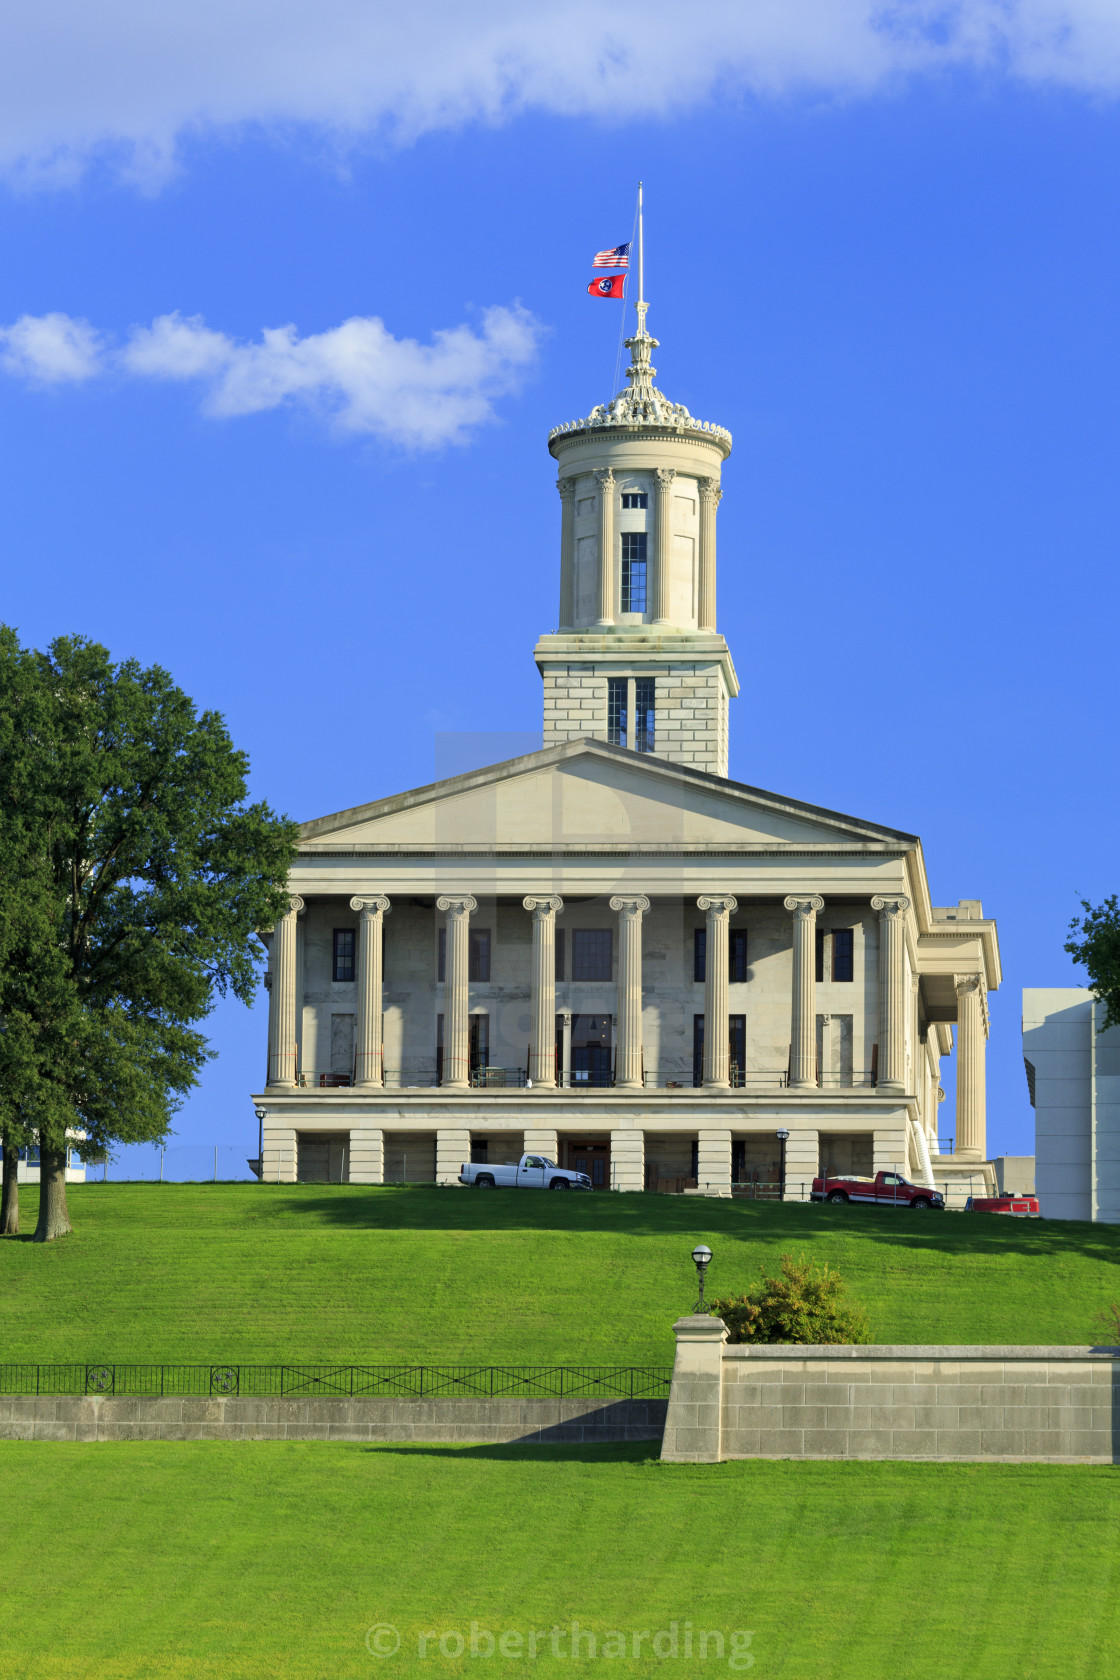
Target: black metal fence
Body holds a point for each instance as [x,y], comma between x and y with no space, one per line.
[478,1382]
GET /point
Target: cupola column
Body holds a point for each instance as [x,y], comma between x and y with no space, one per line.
[716,951]
[542,996]
[663,539]
[567,489]
[628,1050]
[710,494]
[607,590]
[803,1018]
[367,1041]
[456,997]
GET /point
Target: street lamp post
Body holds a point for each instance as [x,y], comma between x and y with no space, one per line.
[702,1256]
[783,1139]
[260,1114]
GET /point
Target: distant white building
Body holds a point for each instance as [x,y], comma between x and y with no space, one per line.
[27,1171]
[1073,1072]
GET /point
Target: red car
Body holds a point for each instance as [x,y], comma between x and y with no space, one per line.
[1023,1207]
[886,1189]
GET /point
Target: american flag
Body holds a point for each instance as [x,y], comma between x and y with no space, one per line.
[619,257]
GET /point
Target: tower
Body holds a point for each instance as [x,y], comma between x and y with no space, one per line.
[637,659]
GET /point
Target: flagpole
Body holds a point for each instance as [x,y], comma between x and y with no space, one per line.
[641,251]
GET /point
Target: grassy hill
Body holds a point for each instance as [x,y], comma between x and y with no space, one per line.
[269,1273]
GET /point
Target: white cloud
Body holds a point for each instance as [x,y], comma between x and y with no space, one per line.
[357,376]
[131,77]
[50,349]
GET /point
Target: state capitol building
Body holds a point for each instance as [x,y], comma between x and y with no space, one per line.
[608,952]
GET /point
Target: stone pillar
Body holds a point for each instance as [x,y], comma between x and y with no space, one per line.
[892,990]
[628,1051]
[542,995]
[456,996]
[541,1140]
[567,489]
[368,1070]
[282,1040]
[972,1032]
[803,1023]
[367,1155]
[663,540]
[278,1147]
[803,1154]
[710,494]
[888,1149]
[693,1422]
[607,592]
[713,1159]
[628,1159]
[716,1046]
[453,1147]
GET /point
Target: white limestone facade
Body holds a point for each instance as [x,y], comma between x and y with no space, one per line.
[607,951]
[1073,1077]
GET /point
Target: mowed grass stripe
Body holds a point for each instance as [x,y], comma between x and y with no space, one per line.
[270,1274]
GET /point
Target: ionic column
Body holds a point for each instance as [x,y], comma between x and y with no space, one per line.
[663,538]
[892,990]
[605,480]
[716,1047]
[628,1052]
[542,996]
[282,1039]
[367,1036]
[972,1034]
[567,489]
[710,494]
[456,995]
[803,1021]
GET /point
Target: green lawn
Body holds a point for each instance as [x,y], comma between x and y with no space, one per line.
[273,1560]
[267,1273]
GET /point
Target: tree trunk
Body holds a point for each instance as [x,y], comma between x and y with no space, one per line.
[54,1219]
[9,1204]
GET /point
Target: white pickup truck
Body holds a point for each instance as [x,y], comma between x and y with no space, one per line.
[532,1172]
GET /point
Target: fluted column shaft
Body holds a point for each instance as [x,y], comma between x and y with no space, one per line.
[628,1051]
[803,1018]
[607,591]
[368,1068]
[716,1046]
[663,538]
[456,995]
[971,1140]
[542,996]
[567,489]
[282,1038]
[892,990]
[710,494]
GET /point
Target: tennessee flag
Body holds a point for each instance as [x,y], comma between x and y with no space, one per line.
[610,286]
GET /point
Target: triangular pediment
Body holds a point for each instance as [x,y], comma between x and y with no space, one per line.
[585,793]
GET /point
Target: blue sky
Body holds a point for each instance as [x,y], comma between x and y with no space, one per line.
[887,260]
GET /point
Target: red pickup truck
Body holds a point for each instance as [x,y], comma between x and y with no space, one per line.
[1023,1207]
[886,1189]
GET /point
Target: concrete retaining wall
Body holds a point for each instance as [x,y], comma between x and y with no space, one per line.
[65,1418]
[1058,1405]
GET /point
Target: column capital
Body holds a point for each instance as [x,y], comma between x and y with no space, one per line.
[896,905]
[722,906]
[604,477]
[804,905]
[376,906]
[543,906]
[710,491]
[566,487]
[296,905]
[665,476]
[630,907]
[964,983]
[460,907]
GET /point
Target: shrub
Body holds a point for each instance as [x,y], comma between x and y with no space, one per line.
[804,1303]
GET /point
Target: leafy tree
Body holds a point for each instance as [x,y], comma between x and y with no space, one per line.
[132,874]
[804,1303]
[1099,950]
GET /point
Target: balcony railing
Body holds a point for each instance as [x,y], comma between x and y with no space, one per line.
[424,1075]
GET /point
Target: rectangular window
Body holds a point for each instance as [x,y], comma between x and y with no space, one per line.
[644,688]
[478,1041]
[592,952]
[634,499]
[559,956]
[737,965]
[616,711]
[821,937]
[697,1050]
[699,953]
[843,953]
[441,956]
[634,571]
[344,953]
[737,1044]
[478,958]
[439,1049]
